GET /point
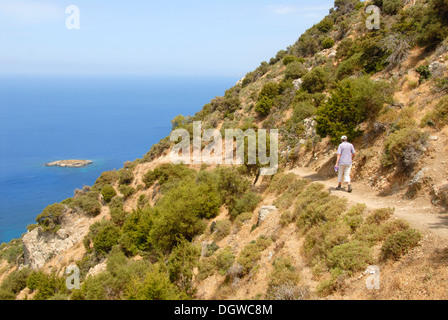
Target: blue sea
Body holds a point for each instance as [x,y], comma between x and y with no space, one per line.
[107,119]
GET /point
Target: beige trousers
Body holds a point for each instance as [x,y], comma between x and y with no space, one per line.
[344,172]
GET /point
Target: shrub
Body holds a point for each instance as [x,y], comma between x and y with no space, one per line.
[51,217]
[181,263]
[46,286]
[263,106]
[106,178]
[169,175]
[352,102]
[207,267]
[295,70]
[351,256]
[149,178]
[224,260]
[89,204]
[404,148]
[103,235]
[251,253]
[380,215]
[108,192]
[439,116]
[125,176]
[392,7]
[126,191]
[424,73]
[289,59]
[15,282]
[327,43]
[353,217]
[316,80]
[284,273]
[348,67]
[325,25]
[222,229]
[155,285]
[400,243]
[247,203]
[11,251]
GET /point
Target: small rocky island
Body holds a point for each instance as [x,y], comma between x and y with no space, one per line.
[69,163]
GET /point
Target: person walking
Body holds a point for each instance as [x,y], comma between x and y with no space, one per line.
[344,162]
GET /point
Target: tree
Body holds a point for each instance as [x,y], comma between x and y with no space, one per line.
[108,192]
[352,102]
[51,217]
[316,80]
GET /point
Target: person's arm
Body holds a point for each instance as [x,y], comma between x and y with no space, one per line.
[337,160]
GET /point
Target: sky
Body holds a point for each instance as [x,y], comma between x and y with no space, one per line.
[169,37]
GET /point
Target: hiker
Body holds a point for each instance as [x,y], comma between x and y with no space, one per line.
[346,152]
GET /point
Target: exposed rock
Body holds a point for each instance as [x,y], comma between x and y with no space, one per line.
[437,68]
[101,267]
[440,195]
[310,127]
[39,246]
[264,212]
[297,84]
[69,163]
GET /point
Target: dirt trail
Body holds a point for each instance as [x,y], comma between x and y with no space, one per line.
[420,213]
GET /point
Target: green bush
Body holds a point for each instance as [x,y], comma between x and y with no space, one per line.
[222,229]
[289,59]
[14,283]
[247,203]
[347,67]
[284,273]
[316,80]
[149,178]
[46,286]
[155,285]
[126,191]
[263,106]
[380,215]
[106,178]
[103,235]
[251,253]
[125,176]
[351,256]
[439,116]
[295,70]
[11,251]
[325,25]
[353,217]
[404,148]
[224,260]
[108,192]
[328,43]
[392,7]
[352,102]
[181,263]
[89,204]
[400,243]
[51,217]
[169,175]
[424,73]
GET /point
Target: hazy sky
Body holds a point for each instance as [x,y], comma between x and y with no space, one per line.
[197,37]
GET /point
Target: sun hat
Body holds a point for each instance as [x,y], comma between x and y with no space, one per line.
[344,138]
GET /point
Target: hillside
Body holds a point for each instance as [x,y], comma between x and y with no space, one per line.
[155,230]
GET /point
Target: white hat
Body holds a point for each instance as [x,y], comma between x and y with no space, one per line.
[344,138]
